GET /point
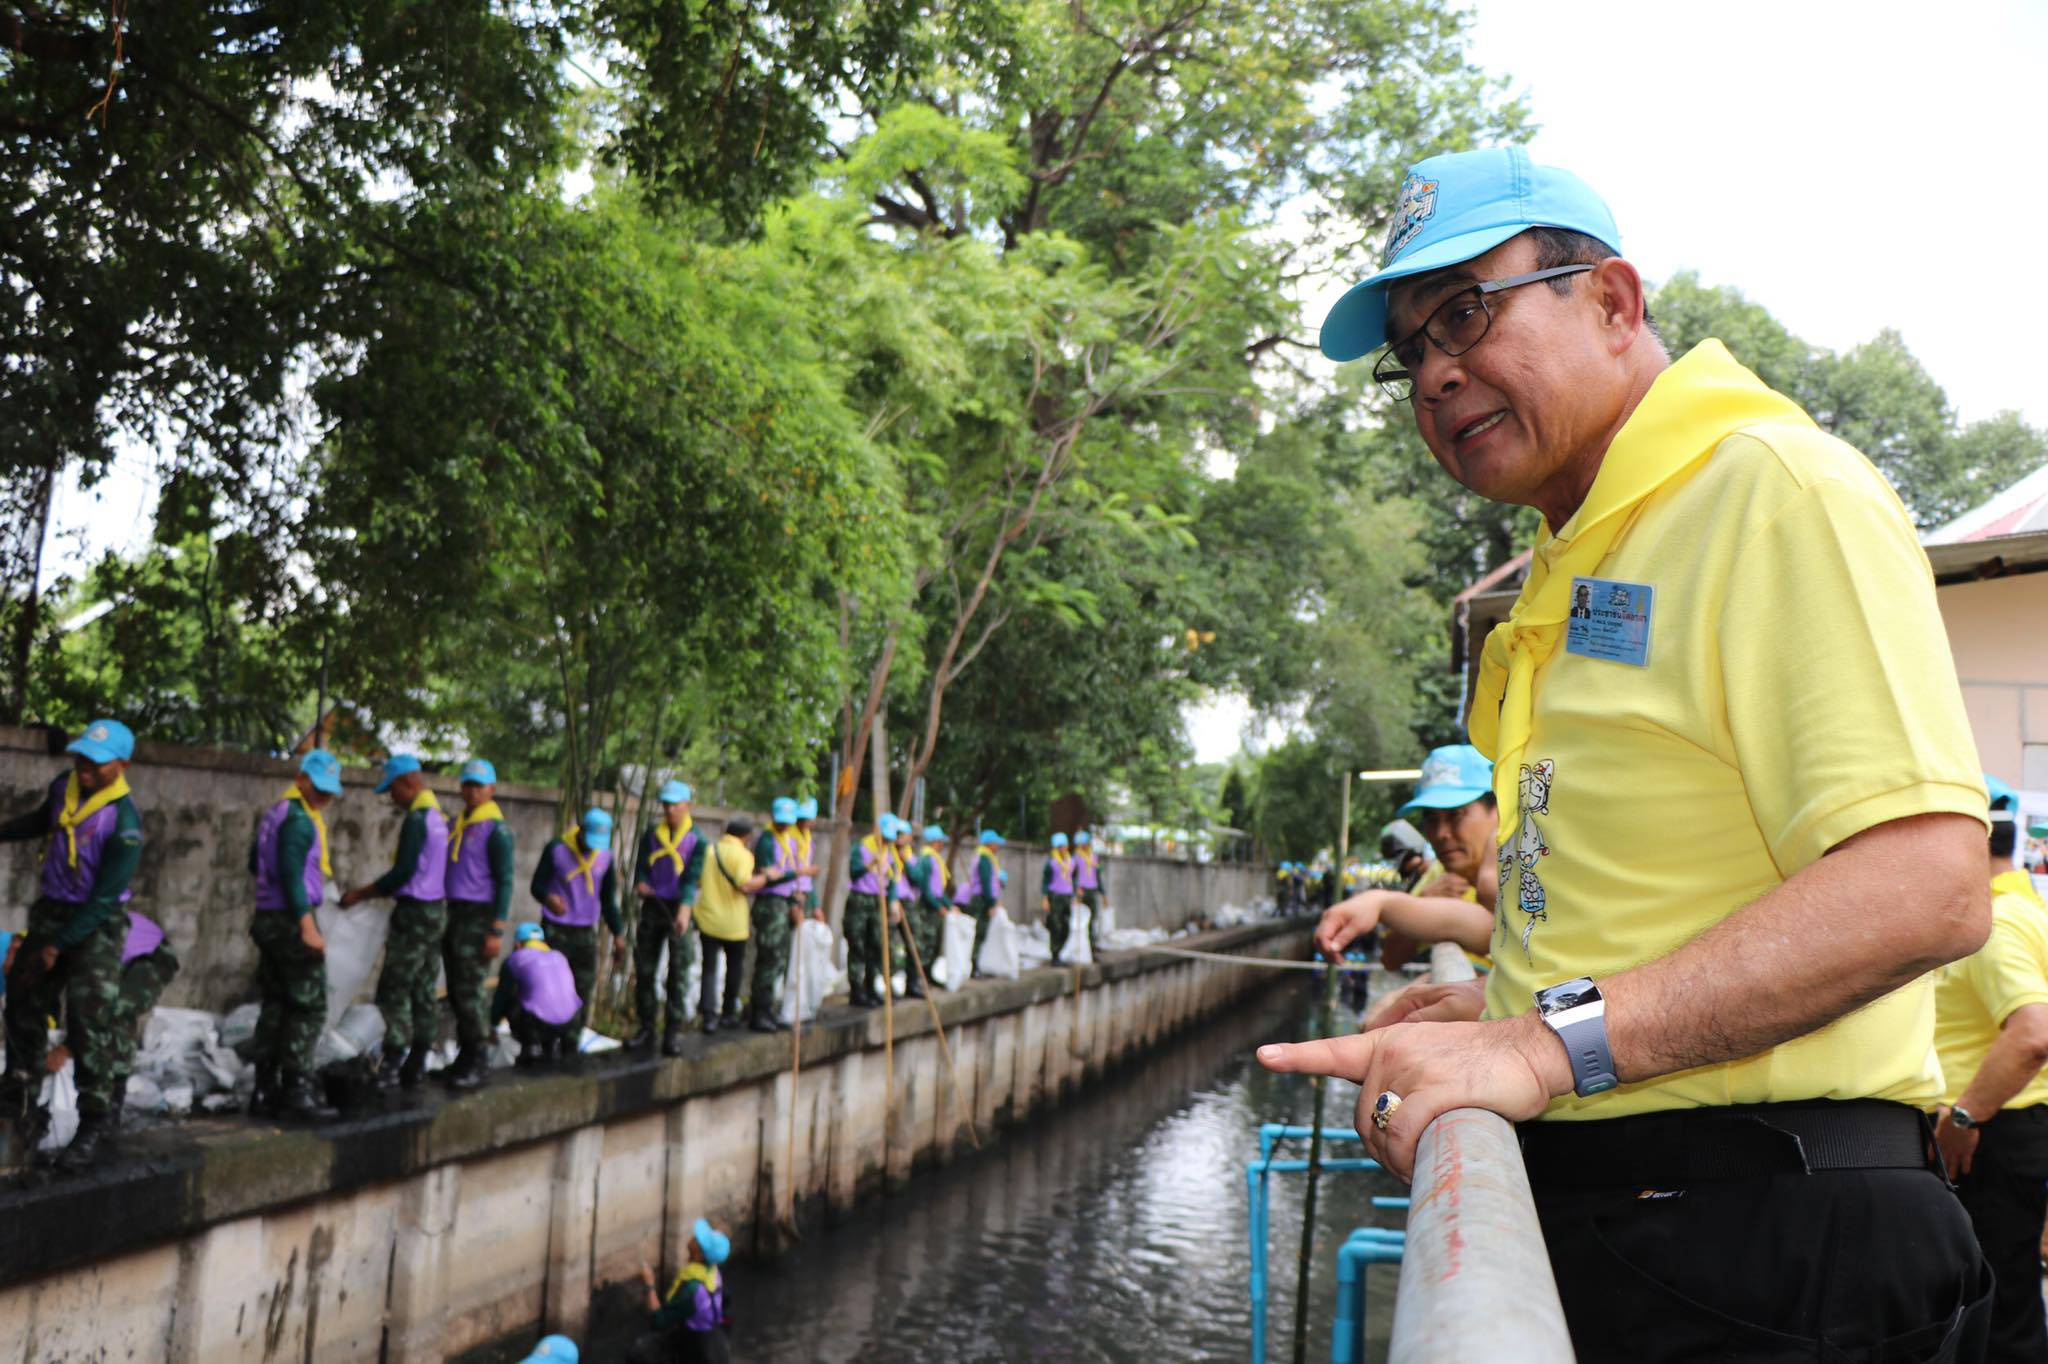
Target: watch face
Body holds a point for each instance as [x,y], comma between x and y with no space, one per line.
[1569,995]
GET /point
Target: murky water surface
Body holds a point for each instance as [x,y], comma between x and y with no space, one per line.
[1113,1228]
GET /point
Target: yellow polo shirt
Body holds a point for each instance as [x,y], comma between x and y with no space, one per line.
[1790,686]
[721,907]
[1977,994]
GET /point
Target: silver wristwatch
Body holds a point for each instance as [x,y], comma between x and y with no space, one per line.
[1577,1014]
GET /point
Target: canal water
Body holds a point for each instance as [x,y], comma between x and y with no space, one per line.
[1112,1228]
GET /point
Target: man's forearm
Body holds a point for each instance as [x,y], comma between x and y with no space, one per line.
[2013,1061]
[1429,919]
[1728,993]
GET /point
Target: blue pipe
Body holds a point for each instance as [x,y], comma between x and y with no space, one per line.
[1384,1201]
[1366,1246]
[1255,1183]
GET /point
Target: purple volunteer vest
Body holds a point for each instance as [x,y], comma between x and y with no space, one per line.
[1058,880]
[869,882]
[1084,873]
[63,882]
[144,937]
[901,889]
[469,867]
[664,877]
[785,860]
[572,886]
[547,989]
[269,888]
[804,883]
[430,876]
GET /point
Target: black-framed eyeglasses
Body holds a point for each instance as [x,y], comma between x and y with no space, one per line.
[1454,326]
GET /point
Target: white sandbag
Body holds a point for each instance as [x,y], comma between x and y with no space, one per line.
[1077,952]
[1034,944]
[956,950]
[60,1100]
[144,1095]
[811,967]
[238,1029]
[362,1025]
[354,938]
[999,956]
[1105,921]
[178,1099]
[182,1052]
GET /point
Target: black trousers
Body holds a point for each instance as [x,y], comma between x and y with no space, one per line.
[2007,1199]
[1829,1267]
[735,952]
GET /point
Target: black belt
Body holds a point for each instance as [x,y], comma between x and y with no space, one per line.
[1693,1146]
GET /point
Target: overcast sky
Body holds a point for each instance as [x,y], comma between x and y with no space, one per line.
[1849,166]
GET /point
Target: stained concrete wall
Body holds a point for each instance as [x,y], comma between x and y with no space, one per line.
[467,1223]
[200,808]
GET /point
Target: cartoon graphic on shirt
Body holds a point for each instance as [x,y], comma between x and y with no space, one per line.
[1520,854]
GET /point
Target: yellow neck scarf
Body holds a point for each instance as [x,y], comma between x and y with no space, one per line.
[1691,408]
[292,792]
[693,1271]
[940,863]
[669,841]
[73,814]
[1064,860]
[423,801]
[878,852]
[2017,882]
[483,814]
[586,861]
[803,846]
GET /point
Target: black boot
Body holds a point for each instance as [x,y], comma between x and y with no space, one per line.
[672,1045]
[298,1100]
[388,1071]
[94,1129]
[413,1067]
[263,1098]
[642,1039]
[472,1067]
[532,1055]
[763,1020]
[914,990]
[708,1024]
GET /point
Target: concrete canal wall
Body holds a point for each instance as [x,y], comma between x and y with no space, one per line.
[462,1225]
[200,807]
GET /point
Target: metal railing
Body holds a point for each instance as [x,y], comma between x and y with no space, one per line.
[1475,1276]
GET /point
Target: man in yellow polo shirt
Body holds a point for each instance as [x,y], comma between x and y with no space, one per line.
[723,920]
[1741,820]
[1991,1030]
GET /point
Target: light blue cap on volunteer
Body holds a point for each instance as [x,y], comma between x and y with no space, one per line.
[554,1350]
[529,932]
[991,839]
[1999,795]
[596,825]
[783,810]
[715,1244]
[1059,840]
[104,741]
[479,772]
[807,808]
[323,769]
[396,766]
[1082,840]
[934,834]
[676,792]
[1454,775]
[1452,208]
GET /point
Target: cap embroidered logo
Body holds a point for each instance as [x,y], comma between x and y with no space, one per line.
[1411,211]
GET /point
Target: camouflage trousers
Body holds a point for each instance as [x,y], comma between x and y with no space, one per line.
[863,927]
[291,980]
[579,945]
[1093,899]
[142,985]
[412,962]
[1059,919]
[462,957]
[87,978]
[771,948]
[657,930]
[983,909]
[925,923]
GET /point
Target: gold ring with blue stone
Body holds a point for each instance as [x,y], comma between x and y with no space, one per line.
[1384,1108]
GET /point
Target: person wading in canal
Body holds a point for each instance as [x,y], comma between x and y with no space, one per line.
[289,859]
[1707,784]
[418,882]
[480,876]
[1991,1032]
[72,950]
[666,877]
[575,881]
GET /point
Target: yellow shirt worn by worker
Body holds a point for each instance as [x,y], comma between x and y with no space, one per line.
[721,905]
[1978,994]
[1740,667]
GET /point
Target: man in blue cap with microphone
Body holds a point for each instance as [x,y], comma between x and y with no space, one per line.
[1725,723]
[575,882]
[666,877]
[76,927]
[417,882]
[480,880]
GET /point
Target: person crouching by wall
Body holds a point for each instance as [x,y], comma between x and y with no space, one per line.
[537,993]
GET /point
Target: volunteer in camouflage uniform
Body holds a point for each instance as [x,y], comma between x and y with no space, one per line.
[536,993]
[73,945]
[806,830]
[1056,892]
[670,868]
[870,870]
[418,881]
[479,885]
[778,909]
[981,890]
[147,965]
[290,863]
[1089,886]
[575,881]
[927,910]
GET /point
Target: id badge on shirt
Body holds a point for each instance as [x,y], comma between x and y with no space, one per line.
[1610,620]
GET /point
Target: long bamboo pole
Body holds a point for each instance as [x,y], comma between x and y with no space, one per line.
[945,1049]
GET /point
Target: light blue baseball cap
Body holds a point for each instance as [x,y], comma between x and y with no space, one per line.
[1452,208]
[715,1244]
[1454,775]
[807,808]
[1999,795]
[396,766]
[1082,839]
[934,834]
[104,741]
[554,1350]
[323,769]
[991,839]
[529,932]
[783,810]
[885,824]
[479,772]
[597,829]
[1059,840]
[676,792]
